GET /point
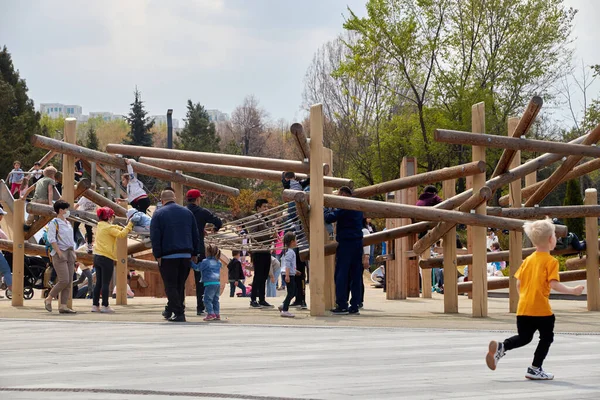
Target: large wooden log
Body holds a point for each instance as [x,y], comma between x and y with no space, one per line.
[301,140]
[449,263]
[515,144]
[591,231]
[515,239]
[578,171]
[237,172]
[144,169]
[523,125]
[558,175]
[210,158]
[104,202]
[68,163]
[550,211]
[378,237]
[502,283]
[6,197]
[391,210]
[421,179]
[48,211]
[466,259]
[18,249]
[82,186]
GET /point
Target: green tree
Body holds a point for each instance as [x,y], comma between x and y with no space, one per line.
[139,123]
[199,133]
[18,118]
[573,198]
[92,139]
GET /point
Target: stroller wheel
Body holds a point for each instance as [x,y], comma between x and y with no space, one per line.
[8,294]
[28,293]
[46,293]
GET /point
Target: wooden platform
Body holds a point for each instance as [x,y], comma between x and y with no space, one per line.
[219,361]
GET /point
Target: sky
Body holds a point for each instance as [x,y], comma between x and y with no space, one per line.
[216,52]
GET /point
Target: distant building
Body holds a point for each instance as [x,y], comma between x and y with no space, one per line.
[56,110]
[162,119]
[105,115]
[217,116]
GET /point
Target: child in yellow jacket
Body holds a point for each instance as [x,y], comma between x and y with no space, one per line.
[105,255]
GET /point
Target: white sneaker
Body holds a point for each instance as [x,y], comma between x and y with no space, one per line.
[538,374]
[95,309]
[287,314]
[107,310]
[495,353]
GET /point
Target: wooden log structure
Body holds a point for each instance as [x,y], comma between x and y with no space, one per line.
[378,237]
[316,220]
[558,175]
[301,140]
[237,172]
[87,166]
[515,239]
[211,158]
[329,285]
[17,247]
[144,169]
[68,163]
[46,210]
[104,202]
[521,129]
[542,212]
[458,171]
[515,144]
[449,263]
[578,171]
[6,197]
[502,283]
[82,186]
[83,257]
[494,184]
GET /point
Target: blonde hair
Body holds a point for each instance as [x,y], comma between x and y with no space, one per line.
[50,171]
[539,231]
[213,251]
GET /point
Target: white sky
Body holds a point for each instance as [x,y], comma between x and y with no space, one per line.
[93,53]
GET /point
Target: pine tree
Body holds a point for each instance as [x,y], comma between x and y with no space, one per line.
[92,139]
[140,125]
[573,198]
[18,118]
[199,134]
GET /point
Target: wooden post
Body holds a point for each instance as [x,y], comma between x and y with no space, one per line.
[121,271]
[317,223]
[407,271]
[426,276]
[479,268]
[93,172]
[450,272]
[396,287]
[530,180]
[118,183]
[18,251]
[329,260]
[591,233]
[178,188]
[69,163]
[515,238]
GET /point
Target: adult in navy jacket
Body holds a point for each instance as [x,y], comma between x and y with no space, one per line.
[174,236]
[348,256]
[203,216]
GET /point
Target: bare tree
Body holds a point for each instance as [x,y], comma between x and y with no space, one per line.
[248,127]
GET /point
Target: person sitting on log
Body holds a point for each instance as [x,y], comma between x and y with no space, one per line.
[136,195]
[44,193]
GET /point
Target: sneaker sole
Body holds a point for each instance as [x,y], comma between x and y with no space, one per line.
[489,358]
[537,378]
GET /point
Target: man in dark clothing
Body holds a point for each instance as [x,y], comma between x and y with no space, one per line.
[348,256]
[202,216]
[261,259]
[174,236]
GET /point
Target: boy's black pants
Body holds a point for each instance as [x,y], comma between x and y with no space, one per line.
[526,326]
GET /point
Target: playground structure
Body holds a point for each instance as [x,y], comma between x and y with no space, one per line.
[406,255]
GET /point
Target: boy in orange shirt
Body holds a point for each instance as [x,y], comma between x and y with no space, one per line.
[536,276]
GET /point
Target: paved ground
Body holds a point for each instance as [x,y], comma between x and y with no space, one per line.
[269,362]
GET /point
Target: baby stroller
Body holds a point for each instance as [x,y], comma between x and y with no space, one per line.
[36,275]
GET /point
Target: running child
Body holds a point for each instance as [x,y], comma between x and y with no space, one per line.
[211,277]
[536,276]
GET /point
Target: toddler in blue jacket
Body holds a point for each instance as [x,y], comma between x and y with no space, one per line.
[210,268]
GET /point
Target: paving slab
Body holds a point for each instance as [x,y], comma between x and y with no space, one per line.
[117,360]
